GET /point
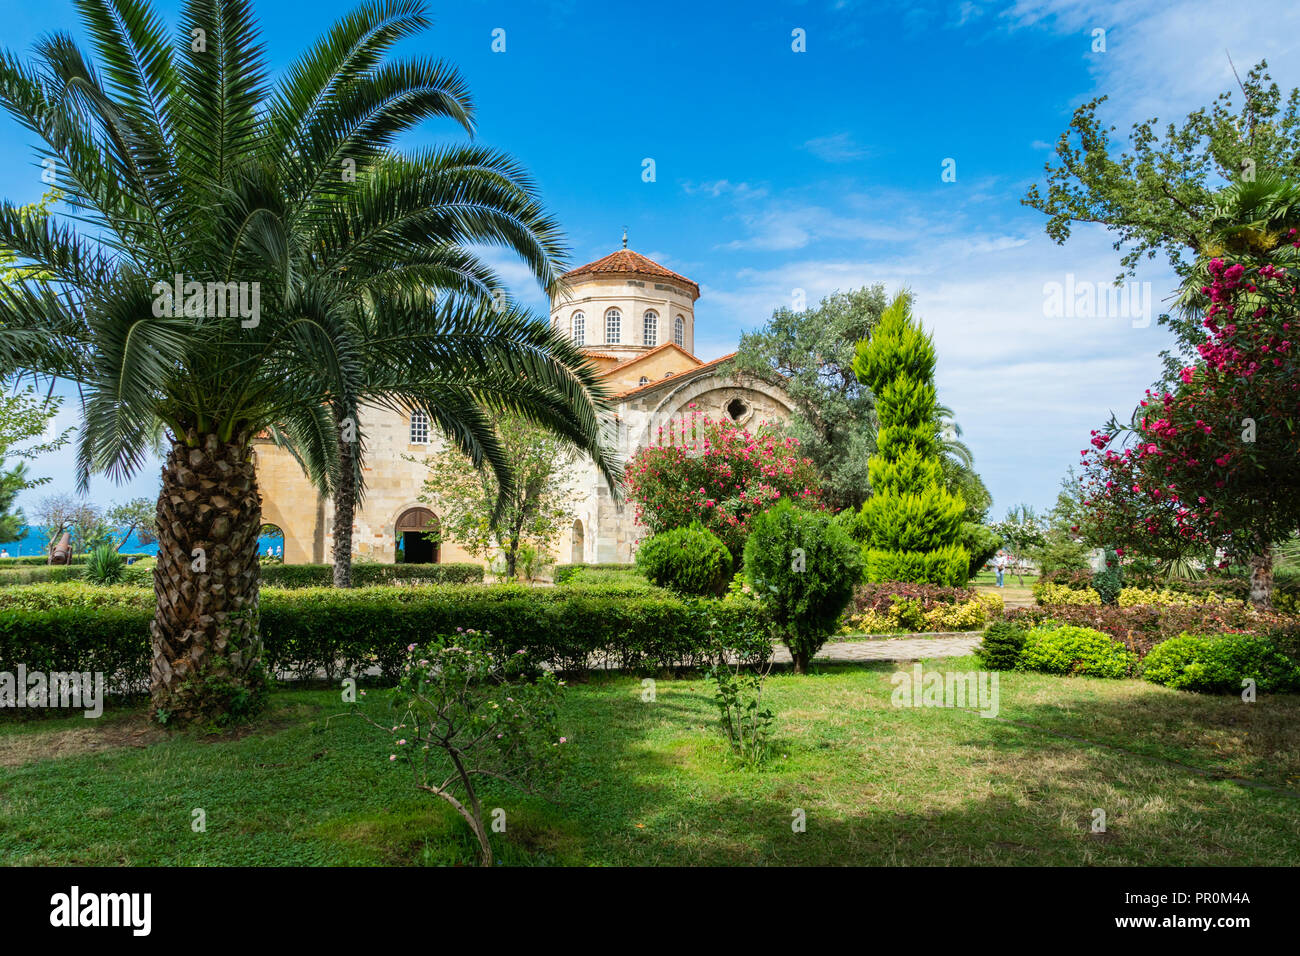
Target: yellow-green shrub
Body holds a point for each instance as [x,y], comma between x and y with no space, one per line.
[1049,594]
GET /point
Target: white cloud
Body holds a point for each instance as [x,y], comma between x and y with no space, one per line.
[837,148]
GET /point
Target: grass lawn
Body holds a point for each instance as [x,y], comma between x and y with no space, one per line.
[653,783]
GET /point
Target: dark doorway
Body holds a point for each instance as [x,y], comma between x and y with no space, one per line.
[419,548]
[419,533]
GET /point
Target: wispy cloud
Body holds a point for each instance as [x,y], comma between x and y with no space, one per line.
[837,148]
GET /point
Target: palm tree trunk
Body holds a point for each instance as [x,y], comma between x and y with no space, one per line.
[206,647]
[345,506]
[1261,579]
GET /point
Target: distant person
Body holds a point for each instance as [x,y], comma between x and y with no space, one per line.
[270,551]
[279,551]
[4,552]
[999,565]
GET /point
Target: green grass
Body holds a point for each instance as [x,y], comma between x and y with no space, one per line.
[653,783]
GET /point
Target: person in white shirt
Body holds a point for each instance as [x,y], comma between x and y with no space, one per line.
[999,565]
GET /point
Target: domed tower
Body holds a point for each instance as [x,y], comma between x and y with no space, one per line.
[626,304]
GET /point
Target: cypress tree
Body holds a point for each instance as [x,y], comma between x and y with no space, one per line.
[911,523]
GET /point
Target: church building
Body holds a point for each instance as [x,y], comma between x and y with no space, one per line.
[636,322]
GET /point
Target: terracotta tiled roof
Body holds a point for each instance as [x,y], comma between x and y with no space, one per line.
[645,355]
[625,262]
[690,371]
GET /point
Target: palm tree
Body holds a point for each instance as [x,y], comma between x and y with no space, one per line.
[1249,222]
[474,196]
[232,233]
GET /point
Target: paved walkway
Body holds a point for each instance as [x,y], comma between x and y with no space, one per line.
[891,649]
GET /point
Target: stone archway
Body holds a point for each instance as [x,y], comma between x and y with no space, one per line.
[579,543]
[419,537]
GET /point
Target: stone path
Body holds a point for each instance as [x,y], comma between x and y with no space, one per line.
[892,649]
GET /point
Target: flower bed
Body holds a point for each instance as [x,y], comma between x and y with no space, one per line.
[901,607]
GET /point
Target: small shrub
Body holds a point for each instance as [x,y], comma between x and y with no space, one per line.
[691,561]
[104,565]
[802,566]
[1075,650]
[1218,664]
[1001,647]
[462,706]
[1107,583]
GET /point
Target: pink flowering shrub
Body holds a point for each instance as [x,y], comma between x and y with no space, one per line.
[718,474]
[1213,464]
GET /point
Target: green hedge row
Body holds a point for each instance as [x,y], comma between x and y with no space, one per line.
[30,560]
[344,632]
[366,575]
[564,572]
[41,574]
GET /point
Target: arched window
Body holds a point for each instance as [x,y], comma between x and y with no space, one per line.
[579,326]
[419,428]
[650,328]
[679,332]
[644,381]
[613,324]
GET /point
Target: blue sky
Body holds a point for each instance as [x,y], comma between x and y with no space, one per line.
[821,170]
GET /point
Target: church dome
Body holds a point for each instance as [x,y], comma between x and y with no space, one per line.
[625,262]
[624,305]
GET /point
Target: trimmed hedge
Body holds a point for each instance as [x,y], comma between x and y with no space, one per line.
[1218,663]
[346,631]
[36,560]
[367,575]
[41,573]
[566,572]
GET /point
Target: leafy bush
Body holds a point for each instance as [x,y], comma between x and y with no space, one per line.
[1080,579]
[1057,594]
[1108,583]
[345,631]
[891,606]
[1218,664]
[802,566]
[105,565]
[1165,597]
[1141,628]
[366,575]
[1001,647]
[1058,554]
[459,703]
[691,560]
[1075,650]
[982,542]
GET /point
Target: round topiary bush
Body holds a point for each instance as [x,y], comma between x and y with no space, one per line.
[1003,642]
[1075,650]
[1218,663]
[691,560]
[802,566]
